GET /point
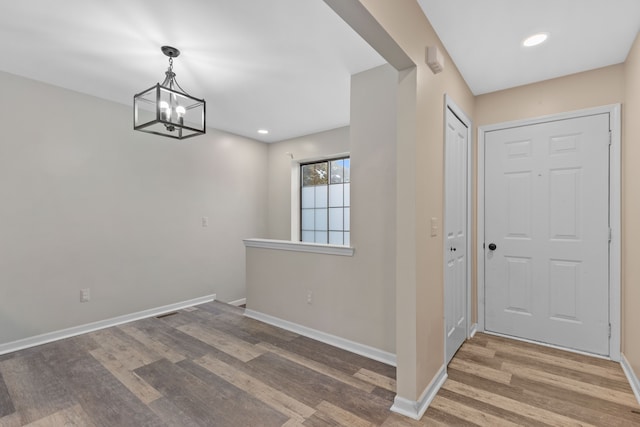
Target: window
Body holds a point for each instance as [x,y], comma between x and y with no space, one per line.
[325,201]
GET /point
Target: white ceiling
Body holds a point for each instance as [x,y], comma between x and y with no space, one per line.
[285,65]
[282,65]
[484,37]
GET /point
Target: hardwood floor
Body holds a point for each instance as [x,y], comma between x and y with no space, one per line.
[210,366]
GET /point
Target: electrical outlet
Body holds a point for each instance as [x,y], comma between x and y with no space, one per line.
[309,297]
[85,295]
[205,221]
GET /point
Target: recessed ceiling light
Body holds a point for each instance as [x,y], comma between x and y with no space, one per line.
[263,131]
[535,39]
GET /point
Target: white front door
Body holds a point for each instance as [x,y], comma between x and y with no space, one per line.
[455,226]
[547,232]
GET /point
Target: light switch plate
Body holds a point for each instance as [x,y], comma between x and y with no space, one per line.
[434,227]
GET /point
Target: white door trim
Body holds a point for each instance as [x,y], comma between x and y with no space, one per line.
[451,105]
[614,212]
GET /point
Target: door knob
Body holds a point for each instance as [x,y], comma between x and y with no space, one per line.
[492,246]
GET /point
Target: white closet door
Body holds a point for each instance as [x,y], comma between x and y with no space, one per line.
[455,227]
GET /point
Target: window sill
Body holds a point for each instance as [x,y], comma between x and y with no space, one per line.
[287,245]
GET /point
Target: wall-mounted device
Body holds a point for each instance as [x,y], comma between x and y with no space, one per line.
[435,60]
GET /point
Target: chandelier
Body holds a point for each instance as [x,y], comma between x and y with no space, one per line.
[166,109]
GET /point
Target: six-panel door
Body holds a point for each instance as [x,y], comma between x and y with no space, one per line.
[547,213]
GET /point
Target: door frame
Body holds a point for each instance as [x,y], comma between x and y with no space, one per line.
[464,118]
[614,212]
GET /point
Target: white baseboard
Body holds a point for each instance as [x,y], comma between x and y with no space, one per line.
[238,302]
[94,326]
[354,347]
[473,330]
[631,376]
[416,409]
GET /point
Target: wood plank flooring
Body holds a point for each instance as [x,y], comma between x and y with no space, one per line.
[210,366]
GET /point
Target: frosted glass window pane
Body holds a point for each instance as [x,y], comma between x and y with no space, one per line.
[309,236]
[321,196]
[308,219]
[335,218]
[308,197]
[321,219]
[347,239]
[347,219]
[347,194]
[336,238]
[321,237]
[335,195]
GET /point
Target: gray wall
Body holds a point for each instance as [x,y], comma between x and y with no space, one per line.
[353,297]
[88,202]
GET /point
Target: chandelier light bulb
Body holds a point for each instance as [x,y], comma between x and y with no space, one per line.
[165,111]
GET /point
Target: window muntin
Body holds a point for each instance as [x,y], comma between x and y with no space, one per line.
[325,202]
